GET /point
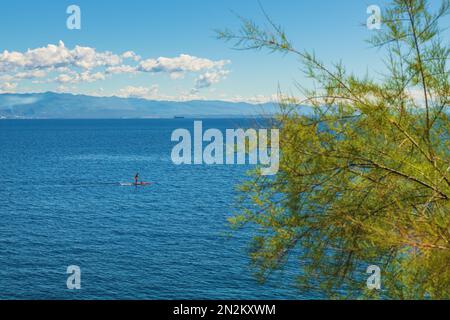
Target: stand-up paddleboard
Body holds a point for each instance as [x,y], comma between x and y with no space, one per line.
[139,184]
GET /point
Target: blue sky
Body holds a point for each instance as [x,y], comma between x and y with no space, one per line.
[159,32]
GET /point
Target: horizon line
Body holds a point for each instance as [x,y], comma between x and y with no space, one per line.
[139,98]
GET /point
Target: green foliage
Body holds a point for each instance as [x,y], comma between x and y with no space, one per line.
[366,179]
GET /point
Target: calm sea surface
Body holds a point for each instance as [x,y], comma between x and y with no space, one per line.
[61,205]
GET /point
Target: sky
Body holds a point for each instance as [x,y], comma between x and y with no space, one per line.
[167,49]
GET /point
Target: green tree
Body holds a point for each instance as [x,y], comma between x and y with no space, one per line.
[365,179]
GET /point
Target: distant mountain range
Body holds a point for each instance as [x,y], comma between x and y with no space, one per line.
[52,105]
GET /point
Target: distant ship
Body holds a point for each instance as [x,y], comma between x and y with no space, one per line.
[178,117]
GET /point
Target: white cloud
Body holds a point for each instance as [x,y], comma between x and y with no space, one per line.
[180,64]
[88,77]
[55,56]
[257,99]
[131,55]
[177,68]
[417,95]
[63,89]
[33,74]
[207,79]
[65,78]
[139,92]
[176,75]
[121,69]
[58,64]
[153,93]
[80,77]
[8,87]
[88,58]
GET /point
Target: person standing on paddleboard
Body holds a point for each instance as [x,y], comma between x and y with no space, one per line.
[136,178]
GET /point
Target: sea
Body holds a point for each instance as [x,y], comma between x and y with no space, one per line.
[62,204]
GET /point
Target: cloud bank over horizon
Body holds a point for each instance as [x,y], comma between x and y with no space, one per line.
[55,67]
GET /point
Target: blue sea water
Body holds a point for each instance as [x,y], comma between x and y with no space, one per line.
[61,205]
